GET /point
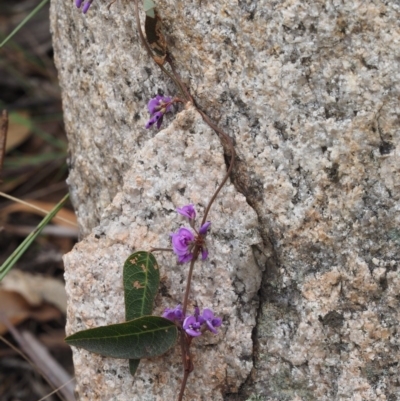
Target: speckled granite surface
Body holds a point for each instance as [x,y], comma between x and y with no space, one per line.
[309,91]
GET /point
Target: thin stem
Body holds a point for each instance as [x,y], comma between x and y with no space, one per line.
[183,385]
[186,362]
[178,80]
[161,249]
[196,252]
[232,149]
[149,51]
[218,130]
[185,343]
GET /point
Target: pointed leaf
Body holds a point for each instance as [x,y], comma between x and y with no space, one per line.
[141,281]
[133,365]
[145,337]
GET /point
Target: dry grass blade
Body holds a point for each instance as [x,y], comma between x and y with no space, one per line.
[3,136]
[40,358]
[44,207]
[57,389]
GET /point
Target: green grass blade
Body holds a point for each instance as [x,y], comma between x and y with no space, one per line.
[10,262]
[24,21]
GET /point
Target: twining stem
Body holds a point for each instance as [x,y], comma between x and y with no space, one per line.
[217,129]
[149,51]
[196,251]
[185,340]
[186,361]
[228,139]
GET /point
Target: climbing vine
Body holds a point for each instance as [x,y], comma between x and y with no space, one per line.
[144,335]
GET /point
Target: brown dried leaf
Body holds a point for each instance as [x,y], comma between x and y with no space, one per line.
[17,132]
[64,213]
[17,309]
[36,288]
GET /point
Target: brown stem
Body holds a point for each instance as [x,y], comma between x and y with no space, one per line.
[196,252]
[186,362]
[183,385]
[178,80]
[185,343]
[228,173]
[149,51]
[161,249]
[219,131]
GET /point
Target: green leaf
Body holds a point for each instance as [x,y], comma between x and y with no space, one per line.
[133,365]
[148,5]
[145,337]
[141,281]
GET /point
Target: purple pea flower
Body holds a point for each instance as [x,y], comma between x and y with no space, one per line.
[195,324]
[184,240]
[174,314]
[187,211]
[157,118]
[157,107]
[204,228]
[192,326]
[182,244]
[211,321]
[203,232]
[85,7]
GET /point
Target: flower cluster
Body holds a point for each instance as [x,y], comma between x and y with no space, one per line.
[184,241]
[158,106]
[85,7]
[195,324]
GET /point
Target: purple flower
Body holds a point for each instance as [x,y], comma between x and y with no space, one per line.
[187,211]
[184,241]
[211,321]
[204,253]
[174,314]
[197,315]
[85,7]
[157,118]
[192,326]
[182,244]
[157,107]
[204,228]
[203,232]
[158,103]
